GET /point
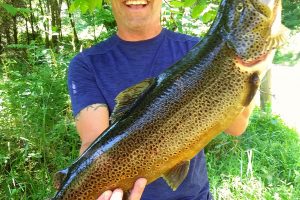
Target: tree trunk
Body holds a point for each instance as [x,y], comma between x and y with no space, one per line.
[27,31]
[58,22]
[1,47]
[53,8]
[32,21]
[46,29]
[15,29]
[7,34]
[75,36]
[266,92]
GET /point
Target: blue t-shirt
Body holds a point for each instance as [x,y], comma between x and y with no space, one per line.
[100,73]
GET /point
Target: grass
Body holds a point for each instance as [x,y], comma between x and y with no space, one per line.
[37,134]
[263,163]
[38,137]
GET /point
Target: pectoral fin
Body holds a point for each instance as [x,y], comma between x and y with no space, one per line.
[177,174]
[126,98]
[279,39]
[59,177]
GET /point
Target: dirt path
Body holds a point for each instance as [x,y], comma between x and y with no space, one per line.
[286,91]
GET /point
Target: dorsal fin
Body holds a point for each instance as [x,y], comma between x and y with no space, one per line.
[126,98]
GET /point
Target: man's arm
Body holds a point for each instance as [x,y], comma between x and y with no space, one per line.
[90,123]
[240,123]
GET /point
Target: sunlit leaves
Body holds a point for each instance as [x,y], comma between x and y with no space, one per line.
[197,10]
[86,5]
[177,4]
[209,16]
[189,3]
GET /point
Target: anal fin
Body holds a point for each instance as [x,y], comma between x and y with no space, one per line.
[177,174]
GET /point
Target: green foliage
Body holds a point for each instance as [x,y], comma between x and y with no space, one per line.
[197,10]
[14,11]
[291,13]
[289,58]
[177,4]
[86,5]
[189,16]
[37,130]
[204,9]
[261,164]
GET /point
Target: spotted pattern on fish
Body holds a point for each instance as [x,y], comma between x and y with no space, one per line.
[150,145]
[184,108]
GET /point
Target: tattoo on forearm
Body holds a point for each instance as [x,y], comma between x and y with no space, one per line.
[93,106]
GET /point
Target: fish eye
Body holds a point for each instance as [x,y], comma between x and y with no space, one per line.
[240,7]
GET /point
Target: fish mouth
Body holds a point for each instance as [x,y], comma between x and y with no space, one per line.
[252,62]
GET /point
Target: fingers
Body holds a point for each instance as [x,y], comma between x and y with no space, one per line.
[117,194]
[138,189]
[105,195]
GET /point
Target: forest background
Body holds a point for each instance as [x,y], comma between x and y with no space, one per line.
[38,38]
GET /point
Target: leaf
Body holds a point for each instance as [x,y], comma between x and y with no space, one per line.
[209,16]
[84,8]
[24,11]
[82,5]
[54,28]
[189,3]
[9,8]
[197,10]
[85,5]
[72,8]
[92,4]
[177,4]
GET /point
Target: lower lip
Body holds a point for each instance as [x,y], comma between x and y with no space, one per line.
[254,62]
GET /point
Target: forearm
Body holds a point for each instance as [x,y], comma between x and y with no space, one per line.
[90,123]
[240,124]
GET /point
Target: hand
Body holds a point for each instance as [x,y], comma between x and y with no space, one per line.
[117,194]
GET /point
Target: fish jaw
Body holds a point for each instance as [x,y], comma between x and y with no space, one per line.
[253,29]
[275,7]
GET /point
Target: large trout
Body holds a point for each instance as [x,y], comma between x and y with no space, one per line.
[160,124]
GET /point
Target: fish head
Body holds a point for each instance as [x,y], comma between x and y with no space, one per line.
[253,28]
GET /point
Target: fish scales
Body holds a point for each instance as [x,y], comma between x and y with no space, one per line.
[180,112]
[156,139]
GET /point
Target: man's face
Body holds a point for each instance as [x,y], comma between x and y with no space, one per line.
[136,14]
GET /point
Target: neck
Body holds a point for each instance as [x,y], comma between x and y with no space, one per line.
[138,34]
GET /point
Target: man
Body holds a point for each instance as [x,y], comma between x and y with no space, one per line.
[140,49]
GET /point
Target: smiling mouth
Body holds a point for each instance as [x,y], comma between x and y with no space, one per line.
[136,3]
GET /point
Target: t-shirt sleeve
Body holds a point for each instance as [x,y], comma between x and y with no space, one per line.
[82,84]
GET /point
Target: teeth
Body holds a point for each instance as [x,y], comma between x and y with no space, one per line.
[136,2]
